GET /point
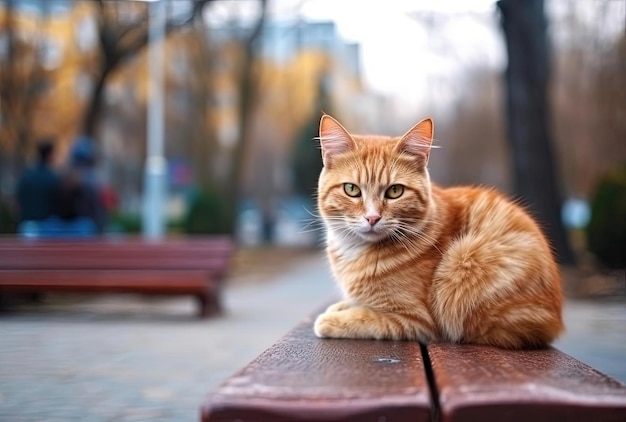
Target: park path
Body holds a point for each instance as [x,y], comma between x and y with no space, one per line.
[596,334]
[117,358]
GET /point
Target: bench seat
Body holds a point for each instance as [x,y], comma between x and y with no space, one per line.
[170,267]
[484,383]
[304,378]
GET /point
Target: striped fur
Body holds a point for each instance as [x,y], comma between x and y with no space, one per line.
[462,265]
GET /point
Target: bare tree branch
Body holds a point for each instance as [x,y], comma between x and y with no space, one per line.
[120,42]
[21,85]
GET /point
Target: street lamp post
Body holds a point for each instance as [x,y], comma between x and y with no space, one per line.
[155,169]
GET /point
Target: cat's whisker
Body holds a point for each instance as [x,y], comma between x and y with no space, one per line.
[426,220]
[423,222]
[315,216]
[436,146]
[311,213]
[344,233]
[313,230]
[405,237]
[408,244]
[397,236]
[412,229]
[312,227]
[406,230]
[312,223]
[419,237]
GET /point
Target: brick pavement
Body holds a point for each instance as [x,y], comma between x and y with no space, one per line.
[119,358]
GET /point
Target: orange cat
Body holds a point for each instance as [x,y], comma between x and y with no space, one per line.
[420,262]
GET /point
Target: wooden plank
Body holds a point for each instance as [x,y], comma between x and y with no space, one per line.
[215,240]
[207,254]
[479,383]
[129,281]
[302,378]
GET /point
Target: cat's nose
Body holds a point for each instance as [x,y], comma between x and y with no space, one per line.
[372,218]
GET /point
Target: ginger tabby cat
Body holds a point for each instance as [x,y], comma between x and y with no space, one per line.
[419,262]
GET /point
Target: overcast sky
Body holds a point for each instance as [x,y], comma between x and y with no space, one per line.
[404,43]
[408,44]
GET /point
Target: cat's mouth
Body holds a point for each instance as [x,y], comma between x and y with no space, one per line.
[371,234]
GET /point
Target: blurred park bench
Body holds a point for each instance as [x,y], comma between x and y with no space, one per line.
[303,378]
[186,266]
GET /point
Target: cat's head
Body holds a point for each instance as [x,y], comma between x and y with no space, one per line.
[372,187]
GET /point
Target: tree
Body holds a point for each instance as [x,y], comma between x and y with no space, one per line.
[307,159]
[527,77]
[247,82]
[198,128]
[588,95]
[23,81]
[122,33]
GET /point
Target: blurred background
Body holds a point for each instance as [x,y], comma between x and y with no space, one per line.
[237,88]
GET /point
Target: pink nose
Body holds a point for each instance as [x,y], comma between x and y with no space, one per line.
[372,219]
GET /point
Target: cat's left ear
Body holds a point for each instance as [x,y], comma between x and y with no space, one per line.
[418,140]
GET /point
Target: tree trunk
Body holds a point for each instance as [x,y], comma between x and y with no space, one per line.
[247,101]
[93,114]
[527,75]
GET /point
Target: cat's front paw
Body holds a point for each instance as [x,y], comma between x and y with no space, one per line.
[339,306]
[329,325]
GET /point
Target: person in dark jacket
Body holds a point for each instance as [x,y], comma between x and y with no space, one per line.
[38,186]
[79,199]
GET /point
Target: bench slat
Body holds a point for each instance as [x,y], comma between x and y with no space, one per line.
[172,266]
[305,378]
[478,383]
[135,281]
[114,254]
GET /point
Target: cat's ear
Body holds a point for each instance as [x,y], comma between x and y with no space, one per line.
[418,140]
[334,139]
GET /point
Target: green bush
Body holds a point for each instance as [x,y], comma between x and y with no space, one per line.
[205,214]
[606,232]
[130,223]
[125,222]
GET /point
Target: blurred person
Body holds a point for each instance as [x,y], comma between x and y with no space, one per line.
[38,186]
[80,205]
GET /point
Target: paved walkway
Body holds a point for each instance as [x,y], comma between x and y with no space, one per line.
[596,334]
[117,358]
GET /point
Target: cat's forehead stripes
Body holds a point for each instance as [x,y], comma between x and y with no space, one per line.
[374,164]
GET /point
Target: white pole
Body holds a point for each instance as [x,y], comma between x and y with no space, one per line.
[155,169]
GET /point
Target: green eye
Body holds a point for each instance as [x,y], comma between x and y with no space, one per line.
[351,190]
[394,191]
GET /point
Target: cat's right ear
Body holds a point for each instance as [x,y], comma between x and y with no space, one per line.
[334,139]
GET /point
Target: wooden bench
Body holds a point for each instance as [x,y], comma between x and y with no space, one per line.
[169,267]
[304,378]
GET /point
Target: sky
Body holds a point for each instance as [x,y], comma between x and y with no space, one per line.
[414,49]
[409,45]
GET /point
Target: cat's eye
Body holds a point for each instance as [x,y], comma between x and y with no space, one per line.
[351,190]
[394,191]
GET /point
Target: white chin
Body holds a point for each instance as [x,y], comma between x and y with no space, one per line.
[372,236]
